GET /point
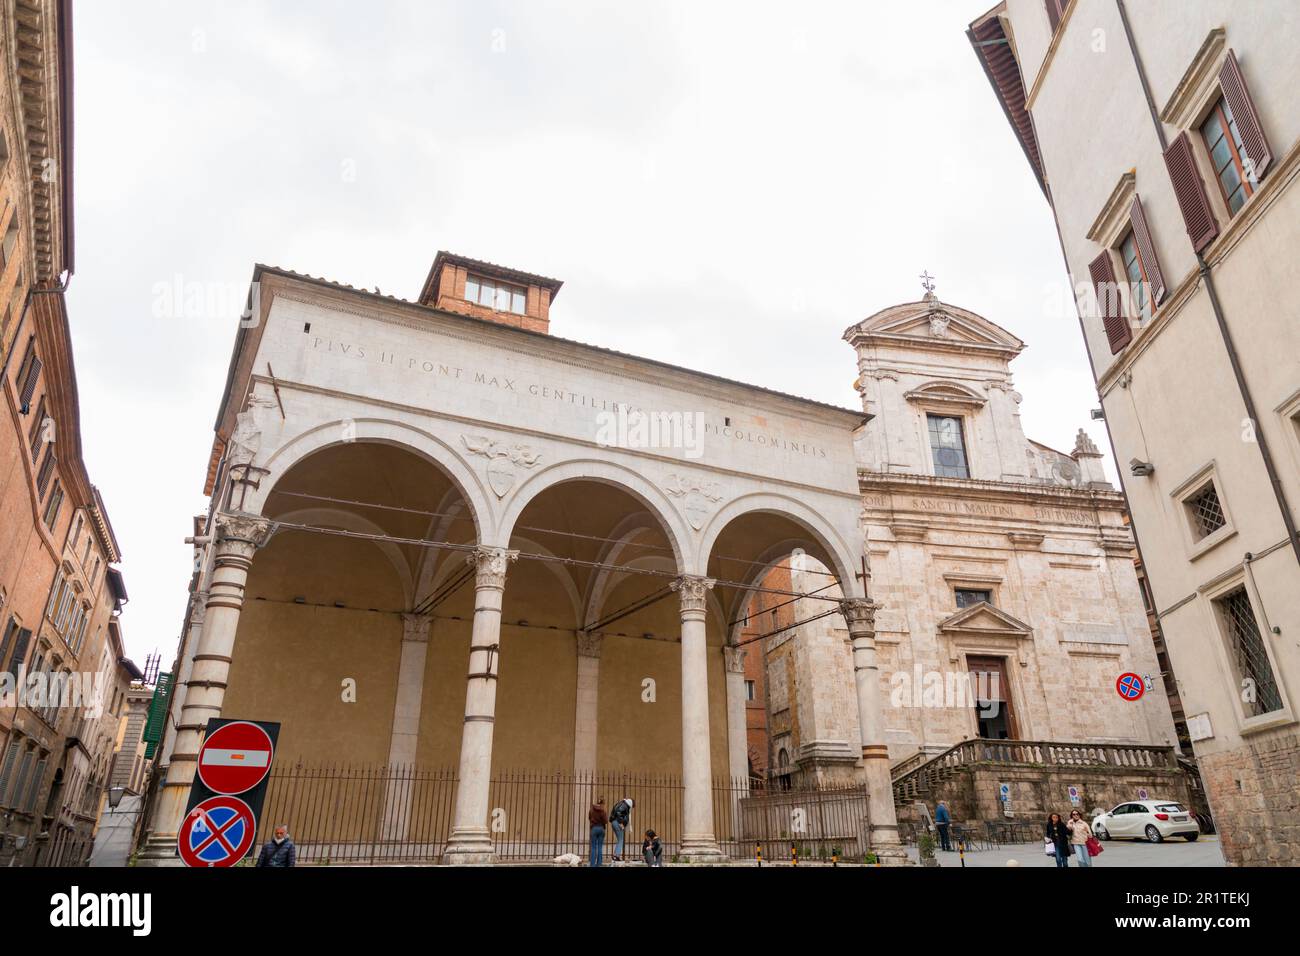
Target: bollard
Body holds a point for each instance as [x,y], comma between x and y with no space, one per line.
[835,857]
[961,851]
[758,852]
[794,855]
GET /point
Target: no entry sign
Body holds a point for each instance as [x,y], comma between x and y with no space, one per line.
[217,832]
[1130,686]
[229,788]
[235,757]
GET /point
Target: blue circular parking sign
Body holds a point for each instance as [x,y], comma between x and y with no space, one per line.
[1130,686]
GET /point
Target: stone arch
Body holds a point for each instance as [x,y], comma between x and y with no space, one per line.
[654,499]
[421,443]
[843,557]
[768,560]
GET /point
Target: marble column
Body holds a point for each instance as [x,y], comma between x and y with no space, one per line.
[584,728]
[698,841]
[882,837]
[470,841]
[237,539]
[405,738]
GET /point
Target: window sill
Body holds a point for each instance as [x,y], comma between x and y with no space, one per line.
[1265,722]
[1210,542]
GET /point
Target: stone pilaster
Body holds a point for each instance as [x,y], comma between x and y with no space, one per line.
[405,739]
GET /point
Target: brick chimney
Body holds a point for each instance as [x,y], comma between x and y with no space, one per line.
[488,291]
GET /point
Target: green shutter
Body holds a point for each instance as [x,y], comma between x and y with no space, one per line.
[156,721]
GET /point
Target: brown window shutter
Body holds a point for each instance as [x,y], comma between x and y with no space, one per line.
[43,476]
[1055,10]
[29,384]
[1106,289]
[1202,227]
[1147,250]
[1237,94]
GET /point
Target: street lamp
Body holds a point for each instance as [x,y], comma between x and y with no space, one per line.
[115,796]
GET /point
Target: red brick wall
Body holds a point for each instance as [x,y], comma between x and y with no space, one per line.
[451,298]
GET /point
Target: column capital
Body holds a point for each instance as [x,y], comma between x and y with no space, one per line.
[735,659]
[693,590]
[589,644]
[415,627]
[860,614]
[490,565]
[242,533]
[198,608]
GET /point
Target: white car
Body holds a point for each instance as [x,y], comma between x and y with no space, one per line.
[1150,820]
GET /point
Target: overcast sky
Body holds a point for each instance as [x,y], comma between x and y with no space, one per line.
[723,186]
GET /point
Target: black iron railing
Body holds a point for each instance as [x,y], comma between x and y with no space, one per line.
[348,814]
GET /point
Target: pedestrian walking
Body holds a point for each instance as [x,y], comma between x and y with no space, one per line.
[652,850]
[1080,833]
[279,851]
[620,817]
[598,819]
[942,820]
[1057,834]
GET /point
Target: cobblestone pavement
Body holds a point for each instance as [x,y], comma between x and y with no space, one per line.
[1204,852]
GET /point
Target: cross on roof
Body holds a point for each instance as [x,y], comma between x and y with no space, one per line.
[927,281]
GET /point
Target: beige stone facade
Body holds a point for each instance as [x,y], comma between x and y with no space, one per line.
[1121,108]
[1019,566]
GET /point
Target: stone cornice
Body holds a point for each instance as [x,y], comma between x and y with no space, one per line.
[35,71]
[1201,73]
[874,482]
[333,297]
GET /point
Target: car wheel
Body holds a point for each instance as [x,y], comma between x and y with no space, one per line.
[1191,837]
[1153,835]
[1103,833]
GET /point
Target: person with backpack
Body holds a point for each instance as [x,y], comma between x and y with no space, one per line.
[620,817]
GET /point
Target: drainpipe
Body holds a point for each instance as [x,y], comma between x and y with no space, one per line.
[1203,267]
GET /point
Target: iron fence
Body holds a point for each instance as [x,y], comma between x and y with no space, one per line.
[354,814]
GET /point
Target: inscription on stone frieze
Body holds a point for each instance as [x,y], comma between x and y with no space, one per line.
[552,392]
[982,509]
[1064,516]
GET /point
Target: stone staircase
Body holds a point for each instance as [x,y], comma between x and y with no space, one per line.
[966,776]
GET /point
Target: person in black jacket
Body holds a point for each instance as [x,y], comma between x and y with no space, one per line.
[652,850]
[619,818]
[279,850]
[1059,834]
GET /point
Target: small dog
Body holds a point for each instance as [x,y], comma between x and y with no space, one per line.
[568,859]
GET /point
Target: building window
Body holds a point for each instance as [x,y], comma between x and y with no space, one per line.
[1259,691]
[1223,142]
[966,597]
[55,503]
[1204,512]
[749,690]
[1139,288]
[947,446]
[496,295]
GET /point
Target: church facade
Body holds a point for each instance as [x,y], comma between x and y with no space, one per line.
[1009,602]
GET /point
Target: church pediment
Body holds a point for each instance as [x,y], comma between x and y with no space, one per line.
[934,323]
[946,393]
[984,618]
